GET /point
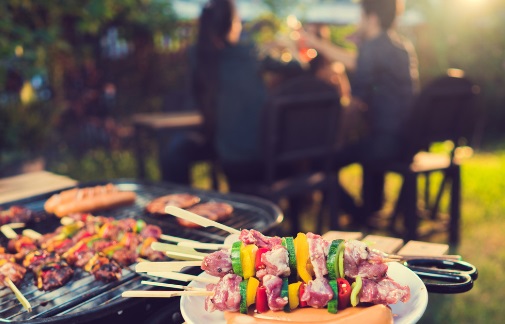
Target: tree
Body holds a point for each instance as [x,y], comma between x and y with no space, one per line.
[280,7]
[467,35]
[50,37]
[47,32]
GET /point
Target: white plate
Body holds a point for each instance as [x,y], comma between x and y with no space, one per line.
[193,310]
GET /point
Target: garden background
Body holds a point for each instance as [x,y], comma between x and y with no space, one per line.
[73,72]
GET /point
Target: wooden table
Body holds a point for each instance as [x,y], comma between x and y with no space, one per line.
[160,124]
[31,184]
[392,245]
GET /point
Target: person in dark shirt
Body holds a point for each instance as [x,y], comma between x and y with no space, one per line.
[229,90]
[384,81]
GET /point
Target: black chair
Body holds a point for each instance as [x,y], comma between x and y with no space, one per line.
[299,133]
[445,110]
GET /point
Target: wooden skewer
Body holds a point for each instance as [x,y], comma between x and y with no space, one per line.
[165,294]
[32,234]
[386,260]
[181,256]
[16,225]
[197,219]
[183,277]
[176,239]
[164,247]
[67,220]
[161,284]
[203,246]
[19,295]
[139,259]
[165,266]
[386,255]
[451,257]
[398,257]
[8,232]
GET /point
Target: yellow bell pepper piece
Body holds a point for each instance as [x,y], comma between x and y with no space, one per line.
[103,229]
[252,287]
[247,259]
[78,245]
[302,256]
[90,263]
[293,294]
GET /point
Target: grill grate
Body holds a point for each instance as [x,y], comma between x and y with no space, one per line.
[83,295]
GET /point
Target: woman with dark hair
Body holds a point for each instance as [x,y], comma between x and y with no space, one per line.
[230,92]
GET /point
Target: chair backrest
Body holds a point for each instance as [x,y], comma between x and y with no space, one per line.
[300,122]
[446,109]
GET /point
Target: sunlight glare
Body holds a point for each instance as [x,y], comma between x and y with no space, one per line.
[456,73]
[475,2]
[311,53]
[293,22]
[19,51]
[286,57]
[294,35]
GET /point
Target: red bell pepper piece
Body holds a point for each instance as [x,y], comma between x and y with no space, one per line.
[257,263]
[82,236]
[82,247]
[59,244]
[344,293]
[261,300]
[301,291]
[24,243]
[127,239]
[37,258]
[84,216]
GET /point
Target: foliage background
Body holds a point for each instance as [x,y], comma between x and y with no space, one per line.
[61,40]
[51,39]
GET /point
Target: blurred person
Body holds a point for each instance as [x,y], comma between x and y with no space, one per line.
[334,73]
[384,80]
[323,68]
[230,92]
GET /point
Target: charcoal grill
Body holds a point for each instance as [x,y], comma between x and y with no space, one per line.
[84,299]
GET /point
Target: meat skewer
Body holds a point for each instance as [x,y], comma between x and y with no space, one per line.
[52,275]
[52,270]
[99,245]
[221,261]
[8,283]
[364,267]
[67,220]
[111,247]
[10,271]
[11,274]
[16,214]
[124,240]
[314,295]
[49,270]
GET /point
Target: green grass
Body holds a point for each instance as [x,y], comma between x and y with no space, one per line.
[482,243]
[482,238]
[482,232]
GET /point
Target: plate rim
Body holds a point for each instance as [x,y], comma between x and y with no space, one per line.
[412,318]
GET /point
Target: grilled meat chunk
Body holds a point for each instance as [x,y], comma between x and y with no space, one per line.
[54,275]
